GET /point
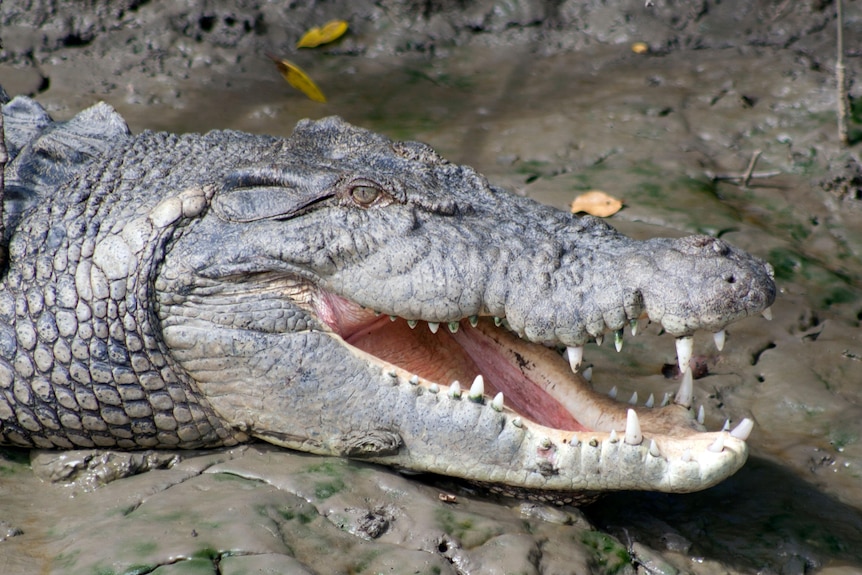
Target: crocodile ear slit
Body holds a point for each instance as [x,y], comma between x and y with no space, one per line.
[264,203]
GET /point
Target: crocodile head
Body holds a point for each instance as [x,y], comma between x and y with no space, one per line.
[345,294]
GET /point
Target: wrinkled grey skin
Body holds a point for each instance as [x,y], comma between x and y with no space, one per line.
[174,291]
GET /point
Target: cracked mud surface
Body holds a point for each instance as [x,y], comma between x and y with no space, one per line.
[548,102]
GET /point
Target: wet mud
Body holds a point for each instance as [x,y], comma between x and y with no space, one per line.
[549,100]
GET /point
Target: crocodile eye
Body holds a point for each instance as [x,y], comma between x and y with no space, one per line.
[364,194]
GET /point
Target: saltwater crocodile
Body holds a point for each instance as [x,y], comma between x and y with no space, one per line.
[327,292]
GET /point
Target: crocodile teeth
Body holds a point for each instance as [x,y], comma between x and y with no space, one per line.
[618,340]
[650,402]
[412,323]
[634,399]
[614,438]
[718,445]
[700,415]
[474,320]
[633,429]
[726,426]
[767,313]
[455,389]
[634,325]
[393,317]
[453,326]
[684,349]
[497,402]
[719,337]
[588,374]
[686,390]
[599,339]
[575,355]
[434,388]
[743,430]
[433,326]
[477,390]
[653,448]
[613,392]
[414,380]
[665,401]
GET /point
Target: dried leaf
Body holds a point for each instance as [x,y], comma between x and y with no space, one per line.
[298,79]
[329,32]
[596,203]
[640,47]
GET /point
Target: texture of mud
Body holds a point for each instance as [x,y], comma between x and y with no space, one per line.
[548,99]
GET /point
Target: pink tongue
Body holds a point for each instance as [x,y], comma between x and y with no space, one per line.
[444,357]
[519,392]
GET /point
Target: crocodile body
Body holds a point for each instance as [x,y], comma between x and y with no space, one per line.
[326,292]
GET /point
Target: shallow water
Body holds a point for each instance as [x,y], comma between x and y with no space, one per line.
[650,130]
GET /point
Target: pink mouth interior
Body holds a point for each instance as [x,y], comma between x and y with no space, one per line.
[445,357]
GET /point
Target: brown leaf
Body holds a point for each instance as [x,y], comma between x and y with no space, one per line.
[298,79]
[596,203]
[329,32]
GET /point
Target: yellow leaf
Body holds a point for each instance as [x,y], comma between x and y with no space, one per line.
[331,31]
[640,47]
[298,79]
[596,203]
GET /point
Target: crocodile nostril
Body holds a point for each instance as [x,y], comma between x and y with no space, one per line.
[730,278]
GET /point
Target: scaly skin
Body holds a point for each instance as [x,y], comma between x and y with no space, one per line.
[196,291]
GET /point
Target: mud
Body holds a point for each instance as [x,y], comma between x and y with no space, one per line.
[548,99]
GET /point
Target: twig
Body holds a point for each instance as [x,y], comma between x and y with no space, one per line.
[746,178]
[843,100]
[740,177]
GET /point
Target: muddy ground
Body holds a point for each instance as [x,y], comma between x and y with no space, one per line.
[548,99]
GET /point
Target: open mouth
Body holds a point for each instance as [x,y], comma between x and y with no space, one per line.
[480,359]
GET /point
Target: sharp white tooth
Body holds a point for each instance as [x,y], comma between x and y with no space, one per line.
[665,401]
[633,429]
[686,455]
[498,321]
[767,313]
[743,430]
[634,399]
[599,339]
[634,325]
[653,448]
[434,388]
[393,317]
[686,390]
[517,422]
[613,438]
[474,320]
[433,326]
[497,402]
[575,355]
[455,389]
[618,340]
[726,426]
[684,349]
[613,392]
[718,445]
[477,390]
[719,338]
[588,374]
[453,326]
[412,323]
[700,415]
[376,313]
[414,380]
[650,402]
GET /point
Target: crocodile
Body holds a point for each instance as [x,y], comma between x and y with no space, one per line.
[341,293]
